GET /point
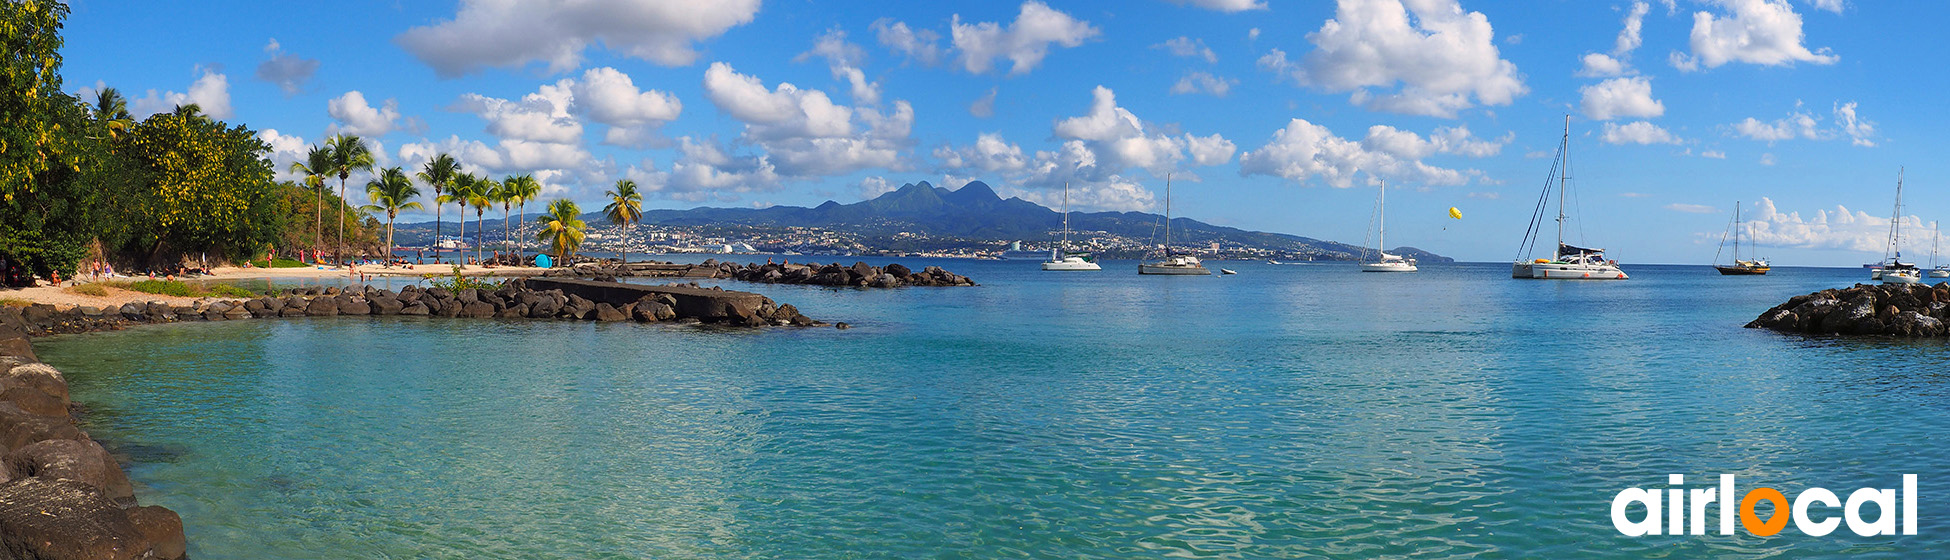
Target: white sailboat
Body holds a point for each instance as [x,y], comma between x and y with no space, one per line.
[1172,265]
[1937,270]
[1568,262]
[1894,270]
[1387,262]
[1749,267]
[1060,257]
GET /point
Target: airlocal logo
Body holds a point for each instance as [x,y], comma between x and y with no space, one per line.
[1675,507]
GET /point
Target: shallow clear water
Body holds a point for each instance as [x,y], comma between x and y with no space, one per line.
[1287,411]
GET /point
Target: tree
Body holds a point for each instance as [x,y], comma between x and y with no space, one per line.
[561,228]
[526,188]
[504,194]
[516,190]
[625,209]
[210,187]
[112,110]
[349,154]
[315,168]
[482,198]
[439,173]
[463,189]
[391,192]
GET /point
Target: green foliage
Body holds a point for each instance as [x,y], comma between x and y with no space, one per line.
[562,229]
[210,191]
[459,282]
[180,288]
[278,263]
[227,290]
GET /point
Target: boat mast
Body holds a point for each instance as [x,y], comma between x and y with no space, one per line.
[1736,233]
[1381,241]
[1167,216]
[1895,220]
[1564,156]
[1066,218]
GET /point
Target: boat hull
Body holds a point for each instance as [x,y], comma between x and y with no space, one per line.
[1741,270]
[1893,277]
[1940,274]
[1566,271]
[1071,266]
[1169,270]
[1387,267]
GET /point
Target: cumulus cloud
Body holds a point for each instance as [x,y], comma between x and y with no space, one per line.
[1443,59]
[844,59]
[210,91]
[542,116]
[1304,151]
[1210,150]
[984,106]
[1713,154]
[1230,6]
[1188,47]
[1024,42]
[1764,32]
[610,97]
[1621,97]
[513,33]
[1115,193]
[1118,139]
[288,71]
[1637,132]
[356,116]
[803,131]
[285,149]
[1800,124]
[1203,82]
[1830,5]
[922,45]
[1614,64]
[1692,208]
[1839,228]
[873,187]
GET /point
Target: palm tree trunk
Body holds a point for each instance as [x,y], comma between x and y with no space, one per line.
[389,236]
[506,232]
[436,224]
[341,251]
[318,225]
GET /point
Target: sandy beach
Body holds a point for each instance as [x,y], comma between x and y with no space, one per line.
[63,297]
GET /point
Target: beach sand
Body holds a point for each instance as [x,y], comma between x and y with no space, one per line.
[63,298]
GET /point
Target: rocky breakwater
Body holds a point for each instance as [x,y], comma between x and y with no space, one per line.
[860,275]
[62,496]
[1914,310]
[683,301]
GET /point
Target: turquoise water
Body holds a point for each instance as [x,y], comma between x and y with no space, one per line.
[1288,411]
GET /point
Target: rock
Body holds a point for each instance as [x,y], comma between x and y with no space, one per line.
[452,308]
[884,280]
[516,311]
[1844,319]
[898,270]
[543,308]
[353,306]
[14,343]
[41,377]
[477,310]
[237,313]
[1911,323]
[385,305]
[580,308]
[34,401]
[608,313]
[417,309]
[322,307]
[162,528]
[842,325]
[132,311]
[19,427]
[83,461]
[65,519]
[1779,319]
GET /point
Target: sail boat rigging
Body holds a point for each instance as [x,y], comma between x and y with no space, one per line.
[1386,262]
[1750,267]
[1172,265]
[1060,257]
[1937,270]
[1894,270]
[1568,262]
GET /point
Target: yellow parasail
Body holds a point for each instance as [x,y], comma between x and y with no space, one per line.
[1454,213]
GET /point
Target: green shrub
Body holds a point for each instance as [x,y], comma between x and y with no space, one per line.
[459,282]
[163,287]
[226,290]
[278,263]
[89,290]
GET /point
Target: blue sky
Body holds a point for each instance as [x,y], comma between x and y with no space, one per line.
[1276,116]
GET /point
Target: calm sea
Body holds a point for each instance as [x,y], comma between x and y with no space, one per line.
[1287,411]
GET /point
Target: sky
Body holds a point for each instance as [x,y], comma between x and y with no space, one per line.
[1266,115]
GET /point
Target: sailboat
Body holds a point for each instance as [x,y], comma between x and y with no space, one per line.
[1894,270]
[1739,267]
[1937,270]
[1172,265]
[1060,257]
[1387,262]
[1568,262]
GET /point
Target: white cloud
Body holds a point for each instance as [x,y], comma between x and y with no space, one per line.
[1188,47]
[1227,6]
[285,149]
[1801,124]
[1614,64]
[917,45]
[1765,32]
[990,154]
[1025,42]
[1304,151]
[1767,159]
[844,59]
[984,106]
[288,71]
[514,33]
[1858,131]
[1484,195]
[705,170]
[1621,97]
[1210,150]
[356,116]
[610,97]
[873,187]
[1115,193]
[1829,5]
[542,116]
[1197,82]
[784,112]
[1443,58]
[1117,138]
[1713,154]
[1252,34]
[210,92]
[1837,229]
[1637,132]
[1692,208]
[803,131]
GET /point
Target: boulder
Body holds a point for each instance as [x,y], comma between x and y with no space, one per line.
[417,308]
[385,305]
[476,310]
[236,313]
[1911,323]
[608,313]
[66,519]
[79,460]
[162,528]
[1844,319]
[19,427]
[35,401]
[14,343]
[37,376]
[132,311]
[516,311]
[353,306]
[322,307]
[452,308]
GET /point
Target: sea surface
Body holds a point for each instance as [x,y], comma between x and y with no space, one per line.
[1288,411]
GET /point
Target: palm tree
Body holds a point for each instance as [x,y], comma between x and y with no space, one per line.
[482,198]
[189,111]
[515,190]
[316,167]
[561,228]
[112,110]
[439,173]
[504,194]
[391,192]
[463,190]
[526,188]
[349,154]
[625,209]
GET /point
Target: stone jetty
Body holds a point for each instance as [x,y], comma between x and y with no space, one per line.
[62,496]
[1912,310]
[860,275]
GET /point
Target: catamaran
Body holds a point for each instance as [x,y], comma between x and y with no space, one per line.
[1061,257]
[1894,270]
[1739,267]
[1568,262]
[1387,262]
[1172,265]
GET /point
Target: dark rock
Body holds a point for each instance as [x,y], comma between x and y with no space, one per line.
[842,325]
[354,306]
[162,528]
[438,293]
[66,519]
[385,305]
[322,307]
[72,459]
[897,269]
[608,313]
[452,308]
[516,311]
[19,427]
[477,310]
[40,377]
[1858,310]
[417,309]
[132,311]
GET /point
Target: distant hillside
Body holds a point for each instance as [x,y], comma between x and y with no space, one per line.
[972,212]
